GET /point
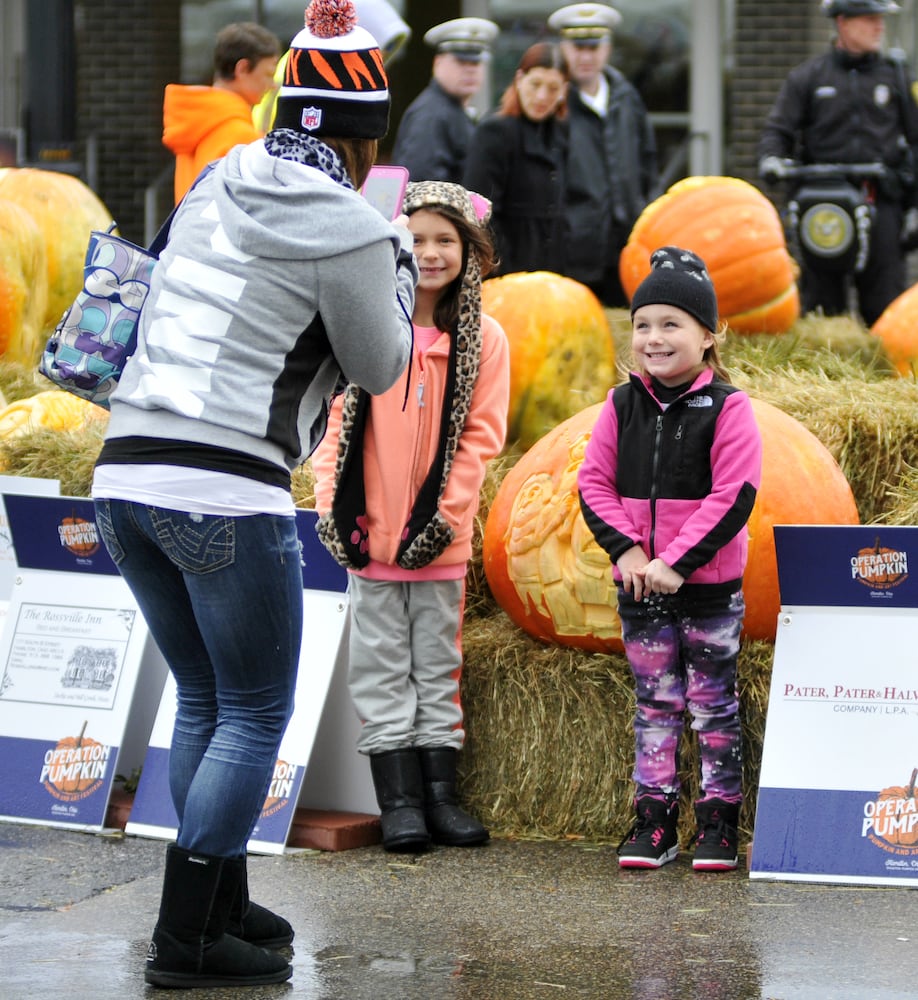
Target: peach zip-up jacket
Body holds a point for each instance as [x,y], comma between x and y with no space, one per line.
[202,124]
[400,445]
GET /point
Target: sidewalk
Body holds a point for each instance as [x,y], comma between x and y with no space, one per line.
[510,921]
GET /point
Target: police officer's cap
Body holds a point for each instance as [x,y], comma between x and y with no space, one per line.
[467,38]
[585,23]
[858,8]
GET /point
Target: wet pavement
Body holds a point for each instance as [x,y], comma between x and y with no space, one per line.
[516,920]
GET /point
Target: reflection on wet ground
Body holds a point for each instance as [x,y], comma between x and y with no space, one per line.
[512,921]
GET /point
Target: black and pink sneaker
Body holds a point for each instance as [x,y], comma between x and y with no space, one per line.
[652,840]
[717,837]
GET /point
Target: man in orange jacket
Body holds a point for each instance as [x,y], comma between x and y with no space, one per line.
[200,123]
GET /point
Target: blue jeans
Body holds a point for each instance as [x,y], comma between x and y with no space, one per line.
[223,598]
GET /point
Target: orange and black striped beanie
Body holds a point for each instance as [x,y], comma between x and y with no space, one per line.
[334,80]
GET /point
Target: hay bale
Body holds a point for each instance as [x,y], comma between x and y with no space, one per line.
[550,747]
[65,455]
[870,427]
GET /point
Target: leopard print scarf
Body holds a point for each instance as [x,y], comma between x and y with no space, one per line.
[288,144]
[343,530]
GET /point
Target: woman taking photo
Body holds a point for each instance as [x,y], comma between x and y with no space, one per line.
[278,286]
[517,159]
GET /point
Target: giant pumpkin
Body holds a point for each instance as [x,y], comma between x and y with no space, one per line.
[51,409]
[23,285]
[562,356]
[897,330]
[66,211]
[738,233]
[546,571]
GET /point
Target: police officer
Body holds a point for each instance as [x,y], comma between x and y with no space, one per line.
[851,105]
[433,135]
[612,165]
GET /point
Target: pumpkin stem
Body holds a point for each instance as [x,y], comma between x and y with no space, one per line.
[79,739]
[911,784]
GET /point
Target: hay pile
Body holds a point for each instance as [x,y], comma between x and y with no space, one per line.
[549,747]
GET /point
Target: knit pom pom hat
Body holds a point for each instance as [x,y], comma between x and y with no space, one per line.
[334,80]
[679,278]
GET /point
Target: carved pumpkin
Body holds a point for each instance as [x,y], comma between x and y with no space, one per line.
[896,817]
[897,330]
[738,233]
[66,211]
[562,356]
[23,285]
[546,571]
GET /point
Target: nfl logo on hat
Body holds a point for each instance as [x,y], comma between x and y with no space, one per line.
[311,118]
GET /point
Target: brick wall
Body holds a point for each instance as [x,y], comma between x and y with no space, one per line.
[772,36]
[127,51]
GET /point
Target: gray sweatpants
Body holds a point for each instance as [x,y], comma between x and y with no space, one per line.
[405,660]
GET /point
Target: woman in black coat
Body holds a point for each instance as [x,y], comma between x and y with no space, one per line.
[517,159]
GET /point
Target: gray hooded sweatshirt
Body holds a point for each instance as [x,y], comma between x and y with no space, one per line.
[276,287]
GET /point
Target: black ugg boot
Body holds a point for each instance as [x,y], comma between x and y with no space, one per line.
[448,824]
[400,794]
[253,923]
[190,946]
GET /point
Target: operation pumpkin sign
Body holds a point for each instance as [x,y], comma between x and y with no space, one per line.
[75,767]
[837,789]
[75,707]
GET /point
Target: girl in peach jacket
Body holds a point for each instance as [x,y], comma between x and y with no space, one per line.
[397,486]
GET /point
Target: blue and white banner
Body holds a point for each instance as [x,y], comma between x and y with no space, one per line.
[72,708]
[837,788]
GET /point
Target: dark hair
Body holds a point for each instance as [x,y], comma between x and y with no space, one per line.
[542,55]
[356,155]
[474,238]
[243,40]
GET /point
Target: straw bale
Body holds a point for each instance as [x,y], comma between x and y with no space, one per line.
[550,747]
[65,455]
[870,427]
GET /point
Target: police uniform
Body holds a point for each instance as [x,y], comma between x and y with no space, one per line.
[845,108]
[612,166]
[434,132]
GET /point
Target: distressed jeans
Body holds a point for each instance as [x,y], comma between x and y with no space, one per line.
[682,649]
[223,599]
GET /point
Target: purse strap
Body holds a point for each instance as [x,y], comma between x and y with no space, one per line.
[158,244]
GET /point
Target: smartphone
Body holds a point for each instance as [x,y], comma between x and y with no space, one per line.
[384,189]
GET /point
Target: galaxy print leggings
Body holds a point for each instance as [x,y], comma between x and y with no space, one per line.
[682,649]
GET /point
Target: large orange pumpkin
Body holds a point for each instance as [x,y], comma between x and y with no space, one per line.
[23,284]
[546,571]
[738,233]
[562,356]
[897,330]
[51,409]
[66,211]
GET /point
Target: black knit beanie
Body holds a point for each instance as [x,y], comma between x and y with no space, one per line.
[679,278]
[334,80]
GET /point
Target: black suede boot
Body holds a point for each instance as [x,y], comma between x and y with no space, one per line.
[447,822]
[400,794]
[253,923]
[190,946]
